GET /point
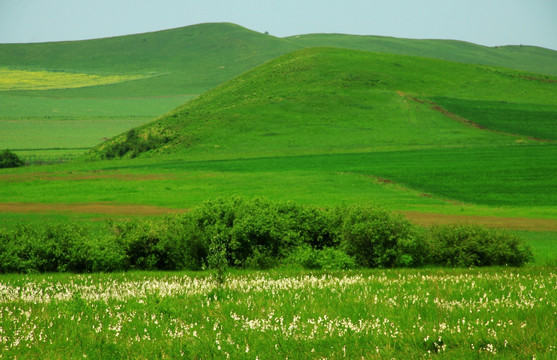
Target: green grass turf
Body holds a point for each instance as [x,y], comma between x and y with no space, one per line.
[543,246]
[535,120]
[423,180]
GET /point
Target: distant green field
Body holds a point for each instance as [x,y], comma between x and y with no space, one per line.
[46,106]
[451,181]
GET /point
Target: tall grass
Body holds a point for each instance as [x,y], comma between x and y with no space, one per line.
[400,314]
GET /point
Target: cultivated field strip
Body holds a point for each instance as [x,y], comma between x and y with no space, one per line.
[501,312]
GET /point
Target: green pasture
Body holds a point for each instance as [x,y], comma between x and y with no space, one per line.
[535,120]
[47,106]
[39,134]
[455,180]
[44,127]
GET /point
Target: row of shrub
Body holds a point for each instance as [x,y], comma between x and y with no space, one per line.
[258,234]
[9,159]
[133,145]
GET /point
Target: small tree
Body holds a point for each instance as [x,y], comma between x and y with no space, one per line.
[9,160]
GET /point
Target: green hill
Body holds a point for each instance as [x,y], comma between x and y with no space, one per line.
[188,60]
[322,124]
[327,100]
[528,58]
[174,66]
[162,70]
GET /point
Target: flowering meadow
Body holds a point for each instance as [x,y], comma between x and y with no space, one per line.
[11,79]
[485,313]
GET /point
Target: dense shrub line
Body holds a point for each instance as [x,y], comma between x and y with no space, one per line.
[9,160]
[133,145]
[257,234]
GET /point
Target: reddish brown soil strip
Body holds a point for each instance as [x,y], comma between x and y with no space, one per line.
[86,208]
[427,219]
[83,176]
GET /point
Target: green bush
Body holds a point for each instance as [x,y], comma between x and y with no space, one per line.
[53,247]
[183,244]
[133,145]
[257,234]
[174,242]
[377,238]
[325,259]
[466,245]
[9,160]
[260,233]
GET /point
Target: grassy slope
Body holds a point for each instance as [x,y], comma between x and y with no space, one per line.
[177,65]
[188,60]
[326,100]
[528,58]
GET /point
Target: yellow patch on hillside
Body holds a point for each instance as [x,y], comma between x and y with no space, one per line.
[49,80]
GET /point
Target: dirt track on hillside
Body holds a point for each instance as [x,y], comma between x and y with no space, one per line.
[424,219]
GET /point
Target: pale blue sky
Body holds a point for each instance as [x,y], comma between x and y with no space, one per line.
[485,22]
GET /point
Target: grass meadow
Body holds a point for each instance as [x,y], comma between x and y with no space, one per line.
[283,314]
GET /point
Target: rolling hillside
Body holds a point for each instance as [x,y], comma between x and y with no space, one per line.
[326,100]
[168,68]
[521,57]
[328,116]
[187,60]
[317,125]
[139,77]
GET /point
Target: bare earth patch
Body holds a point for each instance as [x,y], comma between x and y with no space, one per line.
[90,175]
[86,208]
[512,223]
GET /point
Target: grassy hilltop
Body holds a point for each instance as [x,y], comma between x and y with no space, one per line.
[528,58]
